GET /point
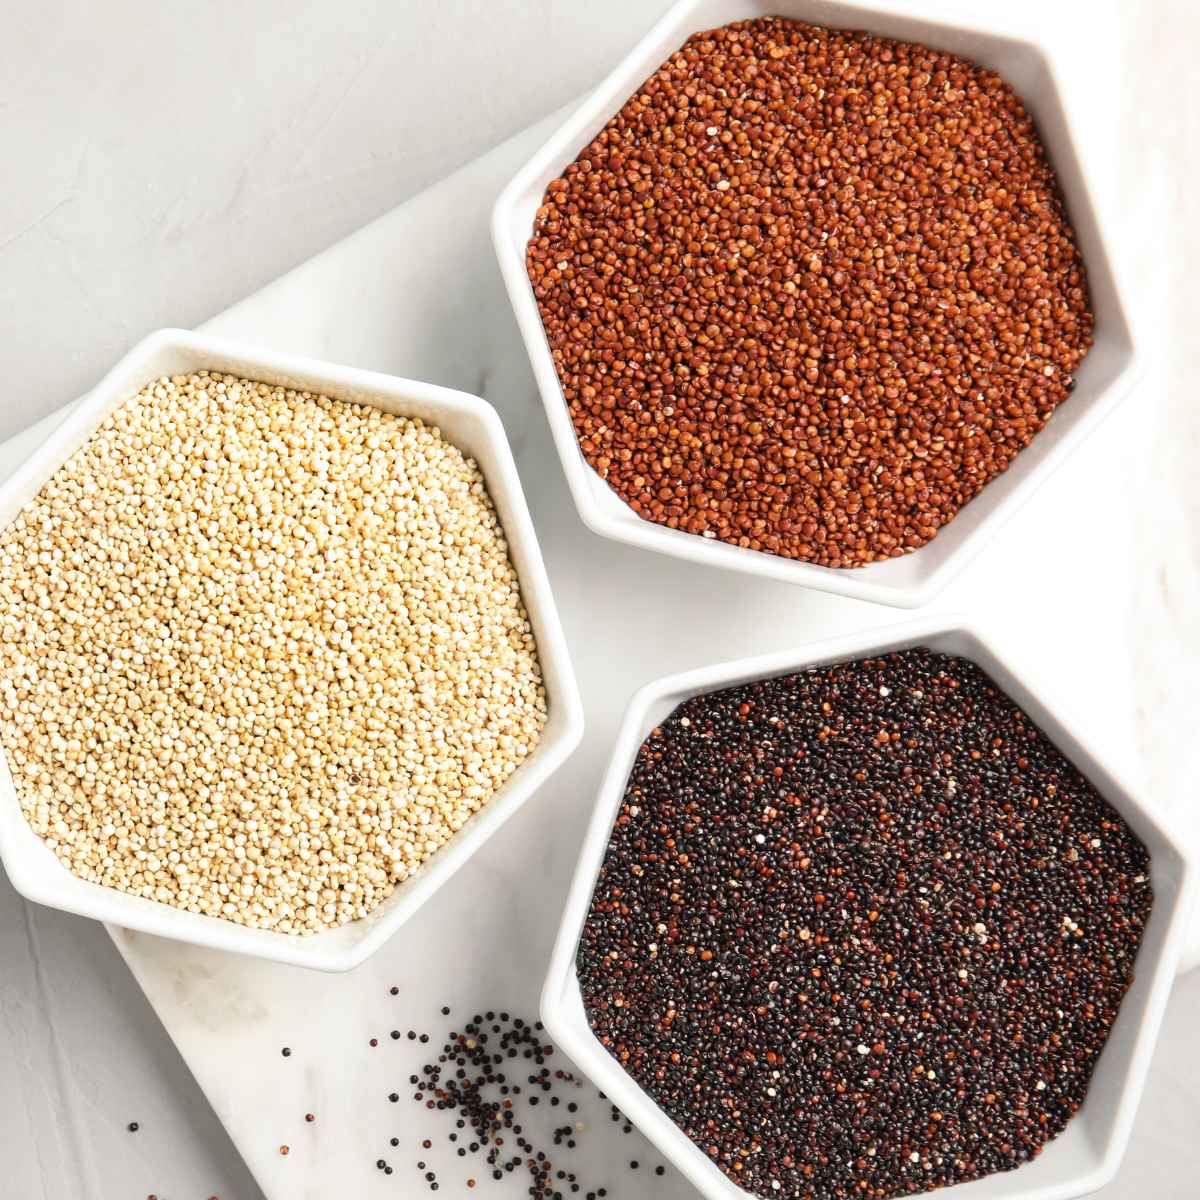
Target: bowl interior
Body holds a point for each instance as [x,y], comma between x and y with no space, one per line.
[1105,372]
[1085,1151]
[463,420]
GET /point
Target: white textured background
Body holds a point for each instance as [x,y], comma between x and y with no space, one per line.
[158,161]
[161,160]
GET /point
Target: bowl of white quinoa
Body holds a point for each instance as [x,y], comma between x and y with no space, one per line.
[278,651]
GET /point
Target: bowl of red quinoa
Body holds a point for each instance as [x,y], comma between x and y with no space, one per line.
[816,292]
[279,651]
[861,919]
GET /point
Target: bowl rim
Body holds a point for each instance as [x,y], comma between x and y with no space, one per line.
[582,1046]
[629,528]
[125,378]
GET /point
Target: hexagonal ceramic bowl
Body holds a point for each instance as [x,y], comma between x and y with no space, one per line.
[1106,376]
[1086,1154]
[472,425]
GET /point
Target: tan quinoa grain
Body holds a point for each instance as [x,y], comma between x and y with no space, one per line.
[810,290]
[262,653]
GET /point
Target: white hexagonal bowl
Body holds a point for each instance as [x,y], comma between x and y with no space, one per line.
[1086,1155]
[1105,377]
[472,425]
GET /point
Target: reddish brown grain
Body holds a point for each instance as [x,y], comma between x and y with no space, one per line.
[810,290]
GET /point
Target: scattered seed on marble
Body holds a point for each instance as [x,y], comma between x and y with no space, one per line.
[810,290]
[471,1080]
[889,980]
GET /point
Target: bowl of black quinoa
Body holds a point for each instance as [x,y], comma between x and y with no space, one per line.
[868,919]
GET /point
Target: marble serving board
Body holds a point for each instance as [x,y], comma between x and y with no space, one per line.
[1063,590]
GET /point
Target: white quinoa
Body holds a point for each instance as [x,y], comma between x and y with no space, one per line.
[262,653]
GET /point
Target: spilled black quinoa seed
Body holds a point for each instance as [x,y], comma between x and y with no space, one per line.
[862,931]
[480,1077]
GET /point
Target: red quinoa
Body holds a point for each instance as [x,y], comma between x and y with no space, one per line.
[810,290]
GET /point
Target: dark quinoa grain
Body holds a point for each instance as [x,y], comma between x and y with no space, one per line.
[472,1079]
[862,930]
[810,290]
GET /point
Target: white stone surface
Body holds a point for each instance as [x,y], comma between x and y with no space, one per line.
[163,161]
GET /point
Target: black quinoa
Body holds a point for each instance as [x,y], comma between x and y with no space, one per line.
[470,1080]
[863,930]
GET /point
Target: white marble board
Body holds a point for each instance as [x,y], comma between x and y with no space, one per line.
[417,293]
